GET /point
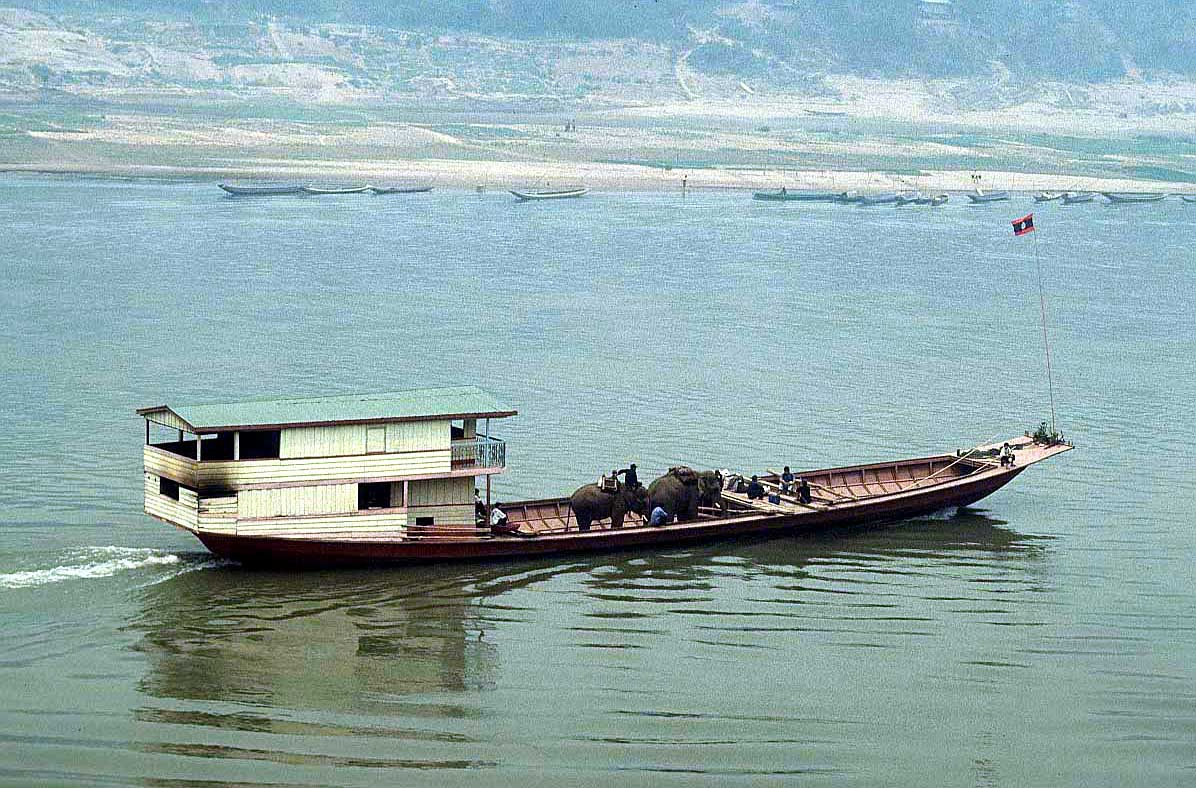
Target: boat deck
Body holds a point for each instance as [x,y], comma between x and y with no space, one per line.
[830,488]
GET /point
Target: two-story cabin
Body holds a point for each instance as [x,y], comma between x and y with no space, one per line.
[358,467]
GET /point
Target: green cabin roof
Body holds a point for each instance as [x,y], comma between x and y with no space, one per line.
[414,405]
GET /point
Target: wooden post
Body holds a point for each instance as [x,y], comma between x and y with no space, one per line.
[487,426]
[487,500]
[237,445]
[180,436]
[405,483]
[147,432]
[198,447]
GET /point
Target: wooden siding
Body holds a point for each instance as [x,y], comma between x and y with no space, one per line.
[218,515]
[343,440]
[444,515]
[181,512]
[384,525]
[297,501]
[442,492]
[418,436]
[238,475]
[163,463]
[168,418]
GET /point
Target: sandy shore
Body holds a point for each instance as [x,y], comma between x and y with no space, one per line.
[470,174]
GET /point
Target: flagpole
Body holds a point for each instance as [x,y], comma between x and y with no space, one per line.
[1045,344]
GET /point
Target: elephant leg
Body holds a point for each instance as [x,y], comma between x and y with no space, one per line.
[583,522]
[616,520]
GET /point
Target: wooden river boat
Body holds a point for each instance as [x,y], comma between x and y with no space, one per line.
[389,479]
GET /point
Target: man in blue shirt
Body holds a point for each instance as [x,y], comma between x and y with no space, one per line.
[659,517]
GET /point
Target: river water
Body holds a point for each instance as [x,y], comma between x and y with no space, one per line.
[1046,636]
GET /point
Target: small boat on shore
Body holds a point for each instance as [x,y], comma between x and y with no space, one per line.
[324,190]
[393,479]
[524,195]
[848,197]
[1188,198]
[400,189]
[261,189]
[1078,198]
[789,195]
[979,197]
[1048,196]
[880,198]
[1133,197]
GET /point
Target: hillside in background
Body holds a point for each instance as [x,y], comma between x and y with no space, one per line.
[576,50]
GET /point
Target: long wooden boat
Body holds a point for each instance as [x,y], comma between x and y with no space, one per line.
[549,194]
[979,197]
[1048,196]
[857,495]
[880,198]
[400,189]
[261,190]
[310,189]
[790,195]
[1078,198]
[1133,197]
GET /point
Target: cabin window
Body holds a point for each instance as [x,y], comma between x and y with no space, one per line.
[373,495]
[168,487]
[258,445]
[425,521]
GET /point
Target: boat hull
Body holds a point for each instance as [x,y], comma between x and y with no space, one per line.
[795,196]
[261,191]
[335,190]
[561,195]
[980,199]
[1132,197]
[283,552]
[400,189]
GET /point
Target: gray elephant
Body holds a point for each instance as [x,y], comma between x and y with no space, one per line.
[590,503]
[682,490]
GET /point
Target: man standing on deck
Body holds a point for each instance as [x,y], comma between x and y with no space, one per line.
[630,477]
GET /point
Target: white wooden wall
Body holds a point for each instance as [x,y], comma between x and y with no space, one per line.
[184,511]
[441,492]
[345,440]
[297,501]
[418,436]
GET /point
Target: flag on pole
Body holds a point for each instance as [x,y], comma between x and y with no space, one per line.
[1023,225]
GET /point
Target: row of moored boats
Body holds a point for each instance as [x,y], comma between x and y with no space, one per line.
[976,197]
[277,189]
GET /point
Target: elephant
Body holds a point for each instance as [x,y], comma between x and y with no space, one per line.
[682,490]
[591,503]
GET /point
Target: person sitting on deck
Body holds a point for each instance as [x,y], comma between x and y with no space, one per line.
[755,490]
[660,517]
[630,477]
[1006,455]
[786,479]
[498,519]
[803,491]
[774,496]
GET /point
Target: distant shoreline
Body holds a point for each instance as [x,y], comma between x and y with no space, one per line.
[501,175]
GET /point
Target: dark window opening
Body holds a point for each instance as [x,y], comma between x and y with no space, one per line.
[218,447]
[373,495]
[257,445]
[168,487]
[425,521]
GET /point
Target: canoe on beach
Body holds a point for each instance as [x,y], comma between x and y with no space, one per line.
[979,197]
[261,189]
[852,496]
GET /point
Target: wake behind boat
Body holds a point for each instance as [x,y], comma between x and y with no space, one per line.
[562,193]
[391,478]
[261,189]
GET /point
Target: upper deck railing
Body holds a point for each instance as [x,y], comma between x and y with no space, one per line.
[480,452]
